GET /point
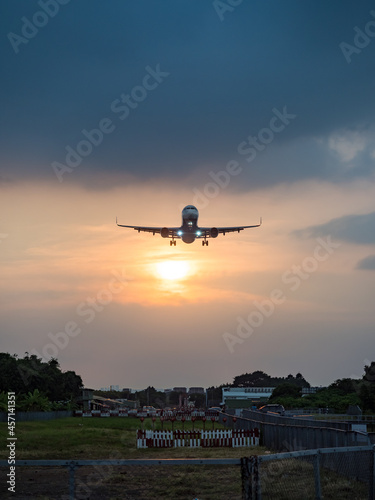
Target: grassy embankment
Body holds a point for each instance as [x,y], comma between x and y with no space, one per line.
[102,438]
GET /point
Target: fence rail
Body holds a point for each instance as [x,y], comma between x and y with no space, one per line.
[279,434]
[310,474]
[278,419]
[141,478]
[328,473]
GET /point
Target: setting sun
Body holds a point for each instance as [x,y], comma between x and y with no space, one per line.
[173,269]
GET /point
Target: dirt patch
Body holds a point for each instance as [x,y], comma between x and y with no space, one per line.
[129,483]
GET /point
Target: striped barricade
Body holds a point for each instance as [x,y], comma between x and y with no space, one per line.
[216,438]
[96,413]
[245,437]
[141,439]
[178,439]
[161,439]
[194,439]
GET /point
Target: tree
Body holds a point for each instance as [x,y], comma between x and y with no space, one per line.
[367,397]
[71,385]
[151,397]
[25,375]
[198,399]
[286,391]
[261,379]
[10,379]
[173,398]
[3,401]
[255,379]
[343,386]
[35,401]
[369,375]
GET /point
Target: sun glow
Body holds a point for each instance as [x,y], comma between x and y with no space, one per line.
[173,269]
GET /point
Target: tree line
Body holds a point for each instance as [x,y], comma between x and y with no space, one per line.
[38,385]
[42,385]
[337,396]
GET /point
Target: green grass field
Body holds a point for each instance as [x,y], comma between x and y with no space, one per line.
[102,438]
[115,438]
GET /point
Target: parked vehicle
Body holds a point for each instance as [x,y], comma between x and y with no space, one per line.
[149,410]
[279,409]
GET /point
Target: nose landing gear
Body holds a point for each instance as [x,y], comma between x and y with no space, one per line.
[205,242]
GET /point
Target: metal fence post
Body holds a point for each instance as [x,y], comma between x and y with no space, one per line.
[72,467]
[371,489]
[246,474]
[318,491]
[250,478]
[256,475]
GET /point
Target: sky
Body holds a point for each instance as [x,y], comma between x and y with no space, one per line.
[245,109]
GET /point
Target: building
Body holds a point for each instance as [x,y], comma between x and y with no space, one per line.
[85,398]
[309,390]
[180,389]
[196,390]
[110,388]
[245,397]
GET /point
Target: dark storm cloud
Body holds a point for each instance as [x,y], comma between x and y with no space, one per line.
[359,229]
[225,78]
[368,263]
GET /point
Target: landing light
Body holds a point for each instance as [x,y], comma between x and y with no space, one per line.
[198,233]
[179,233]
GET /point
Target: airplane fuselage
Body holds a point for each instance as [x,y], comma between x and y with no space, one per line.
[189,229]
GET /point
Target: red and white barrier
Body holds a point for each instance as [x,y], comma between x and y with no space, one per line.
[101,413]
[178,415]
[194,439]
[245,437]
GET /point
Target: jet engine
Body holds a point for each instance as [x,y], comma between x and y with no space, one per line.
[214,232]
[164,232]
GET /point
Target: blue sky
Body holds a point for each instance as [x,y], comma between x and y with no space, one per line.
[225,77]
[138,108]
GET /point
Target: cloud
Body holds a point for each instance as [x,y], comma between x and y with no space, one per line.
[224,80]
[367,263]
[347,144]
[358,229]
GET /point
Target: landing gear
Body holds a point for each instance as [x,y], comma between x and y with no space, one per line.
[172,242]
[205,242]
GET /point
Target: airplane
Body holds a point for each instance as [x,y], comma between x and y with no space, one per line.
[189,230]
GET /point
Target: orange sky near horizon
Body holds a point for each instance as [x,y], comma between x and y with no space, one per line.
[63,249]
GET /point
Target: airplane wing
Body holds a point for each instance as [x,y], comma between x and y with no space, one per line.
[206,231]
[172,231]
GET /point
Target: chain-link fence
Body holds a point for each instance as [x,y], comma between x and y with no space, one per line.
[285,434]
[167,479]
[332,474]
